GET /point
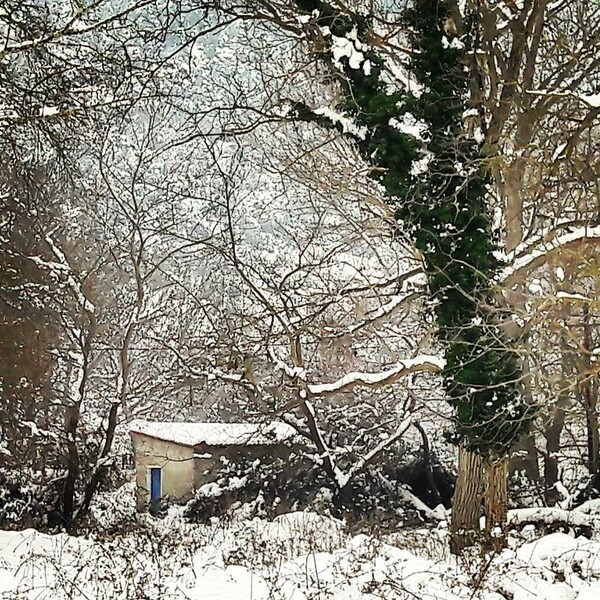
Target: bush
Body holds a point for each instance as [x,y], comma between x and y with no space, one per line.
[24,505]
[269,487]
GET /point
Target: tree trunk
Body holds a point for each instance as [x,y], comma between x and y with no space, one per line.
[589,398]
[435,493]
[592,428]
[525,458]
[496,501]
[479,479]
[552,433]
[513,194]
[71,463]
[466,507]
[101,467]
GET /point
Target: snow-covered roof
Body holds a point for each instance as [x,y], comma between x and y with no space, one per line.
[215,434]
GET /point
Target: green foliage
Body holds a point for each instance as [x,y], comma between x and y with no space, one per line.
[444,210]
[452,227]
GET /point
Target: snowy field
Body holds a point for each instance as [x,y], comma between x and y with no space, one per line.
[300,556]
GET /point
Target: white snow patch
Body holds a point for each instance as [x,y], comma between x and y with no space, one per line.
[344,47]
[569,296]
[421,166]
[593,100]
[424,362]
[49,111]
[559,151]
[215,434]
[297,556]
[410,125]
[348,125]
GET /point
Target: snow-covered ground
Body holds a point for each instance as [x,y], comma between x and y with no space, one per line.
[300,556]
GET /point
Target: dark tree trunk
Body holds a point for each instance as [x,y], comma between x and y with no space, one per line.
[435,493]
[525,459]
[101,468]
[72,463]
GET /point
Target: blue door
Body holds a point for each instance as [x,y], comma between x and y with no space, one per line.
[155,483]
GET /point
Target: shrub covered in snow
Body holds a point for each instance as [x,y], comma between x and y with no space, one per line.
[266,488]
[26,505]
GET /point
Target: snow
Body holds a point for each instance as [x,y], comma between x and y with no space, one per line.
[421,166]
[552,515]
[215,434]
[49,111]
[410,125]
[593,101]
[405,79]
[423,362]
[527,255]
[455,44]
[348,125]
[64,266]
[233,582]
[569,296]
[559,151]
[535,287]
[350,49]
[297,556]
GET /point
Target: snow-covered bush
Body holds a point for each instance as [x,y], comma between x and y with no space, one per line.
[114,511]
[379,494]
[25,505]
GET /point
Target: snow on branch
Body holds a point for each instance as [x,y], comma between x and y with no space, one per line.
[410,287]
[292,372]
[348,125]
[570,296]
[74,27]
[533,253]
[367,458]
[419,364]
[74,285]
[593,100]
[552,515]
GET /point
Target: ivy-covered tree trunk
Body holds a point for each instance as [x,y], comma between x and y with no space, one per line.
[443,206]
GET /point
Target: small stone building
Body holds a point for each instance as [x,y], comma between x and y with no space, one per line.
[173,459]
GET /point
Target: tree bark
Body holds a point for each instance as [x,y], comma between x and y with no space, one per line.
[466,507]
[552,433]
[480,481]
[435,493]
[496,501]
[71,462]
[101,467]
[589,398]
[525,458]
